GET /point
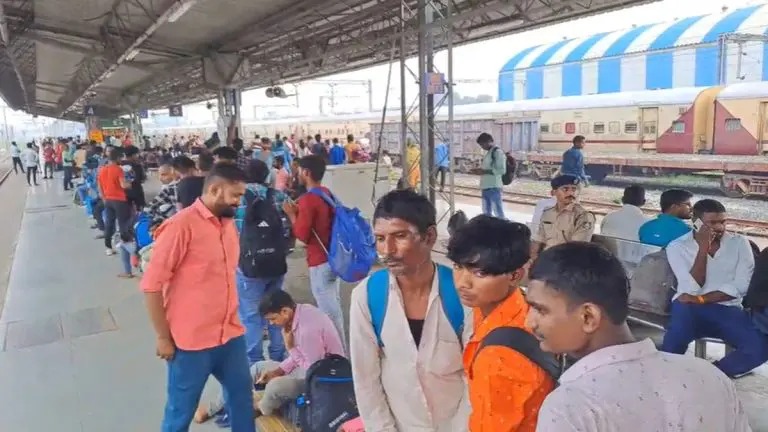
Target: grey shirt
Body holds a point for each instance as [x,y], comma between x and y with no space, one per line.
[636,388]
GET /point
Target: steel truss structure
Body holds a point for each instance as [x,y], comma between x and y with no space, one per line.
[151,53]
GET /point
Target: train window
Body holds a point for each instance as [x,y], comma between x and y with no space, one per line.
[557,128]
[732,124]
[570,128]
[649,128]
[598,128]
[544,128]
[583,128]
[630,127]
[678,127]
[614,128]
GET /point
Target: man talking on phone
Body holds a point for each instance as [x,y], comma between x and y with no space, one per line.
[713,269]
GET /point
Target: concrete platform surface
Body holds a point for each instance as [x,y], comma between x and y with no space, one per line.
[76,346]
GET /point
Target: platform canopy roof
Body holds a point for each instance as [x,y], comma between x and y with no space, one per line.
[58,56]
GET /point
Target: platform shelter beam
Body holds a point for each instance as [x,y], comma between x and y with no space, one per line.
[227,73]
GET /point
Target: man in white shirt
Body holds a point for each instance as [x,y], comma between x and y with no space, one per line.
[579,293]
[405,341]
[713,268]
[626,222]
[31,160]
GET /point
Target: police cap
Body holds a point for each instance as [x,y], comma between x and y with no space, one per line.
[564,180]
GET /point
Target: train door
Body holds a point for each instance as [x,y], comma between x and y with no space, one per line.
[649,121]
[762,131]
[520,136]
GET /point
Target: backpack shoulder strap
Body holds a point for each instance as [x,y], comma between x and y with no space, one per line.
[328,199]
[449,298]
[525,343]
[377,289]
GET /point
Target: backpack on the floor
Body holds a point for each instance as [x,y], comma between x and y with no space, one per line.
[352,251]
[263,247]
[329,396]
[377,290]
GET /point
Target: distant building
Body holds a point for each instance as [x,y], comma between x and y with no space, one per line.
[682,53]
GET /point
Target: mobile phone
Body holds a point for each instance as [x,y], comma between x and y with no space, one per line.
[698,224]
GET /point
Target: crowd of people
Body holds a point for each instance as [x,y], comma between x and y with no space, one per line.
[525,330]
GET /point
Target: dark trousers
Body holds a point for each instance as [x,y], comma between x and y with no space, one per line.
[441,171]
[68,178]
[31,175]
[97,207]
[732,324]
[48,168]
[189,370]
[116,211]
[17,165]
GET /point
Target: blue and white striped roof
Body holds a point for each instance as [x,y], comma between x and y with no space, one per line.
[686,31]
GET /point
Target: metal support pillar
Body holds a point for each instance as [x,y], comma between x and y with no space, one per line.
[403,113]
[227,72]
[229,122]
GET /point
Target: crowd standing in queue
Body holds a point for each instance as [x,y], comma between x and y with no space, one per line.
[525,329]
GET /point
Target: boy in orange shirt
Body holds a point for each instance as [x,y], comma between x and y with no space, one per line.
[507,373]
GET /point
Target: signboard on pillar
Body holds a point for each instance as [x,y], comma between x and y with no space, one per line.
[175,111]
[435,83]
[231,101]
[118,123]
[96,135]
[144,113]
[89,111]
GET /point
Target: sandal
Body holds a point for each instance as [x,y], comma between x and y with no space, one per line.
[126,276]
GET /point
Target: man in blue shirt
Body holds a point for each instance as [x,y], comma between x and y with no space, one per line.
[669,225]
[573,161]
[442,163]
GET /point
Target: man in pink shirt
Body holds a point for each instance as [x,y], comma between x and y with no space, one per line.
[191,297]
[309,336]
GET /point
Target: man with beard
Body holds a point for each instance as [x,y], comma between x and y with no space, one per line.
[191,296]
[713,268]
[567,221]
[405,344]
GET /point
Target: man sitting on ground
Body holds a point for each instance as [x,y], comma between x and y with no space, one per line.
[506,388]
[308,334]
[625,223]
[669,225]
[713,269]
[579,293]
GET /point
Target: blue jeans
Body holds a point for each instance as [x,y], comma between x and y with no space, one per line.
[250,291]
[732,324]
[492,202]
[126,250]
[326,288]
[189,370]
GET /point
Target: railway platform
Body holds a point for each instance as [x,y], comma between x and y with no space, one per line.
[76,346]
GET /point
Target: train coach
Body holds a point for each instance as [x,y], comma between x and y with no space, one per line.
[721,131]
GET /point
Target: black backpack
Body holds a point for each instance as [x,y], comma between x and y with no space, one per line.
[329,397]
[509,173]
[263,248]
[526,344]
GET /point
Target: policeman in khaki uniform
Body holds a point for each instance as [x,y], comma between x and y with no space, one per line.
[567,221]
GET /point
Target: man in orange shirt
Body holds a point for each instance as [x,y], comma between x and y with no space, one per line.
[191,296]
[508,375]
[112,184]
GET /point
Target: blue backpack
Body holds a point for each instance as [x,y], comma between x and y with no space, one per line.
[141,231]
[352,251]
[378,296]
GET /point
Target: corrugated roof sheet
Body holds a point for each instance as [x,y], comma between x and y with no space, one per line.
[686,31]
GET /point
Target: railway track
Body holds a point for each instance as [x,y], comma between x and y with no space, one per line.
[748,227]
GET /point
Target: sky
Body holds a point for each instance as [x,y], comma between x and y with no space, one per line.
[480,61]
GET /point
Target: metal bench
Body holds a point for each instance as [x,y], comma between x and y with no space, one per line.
[652,285]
